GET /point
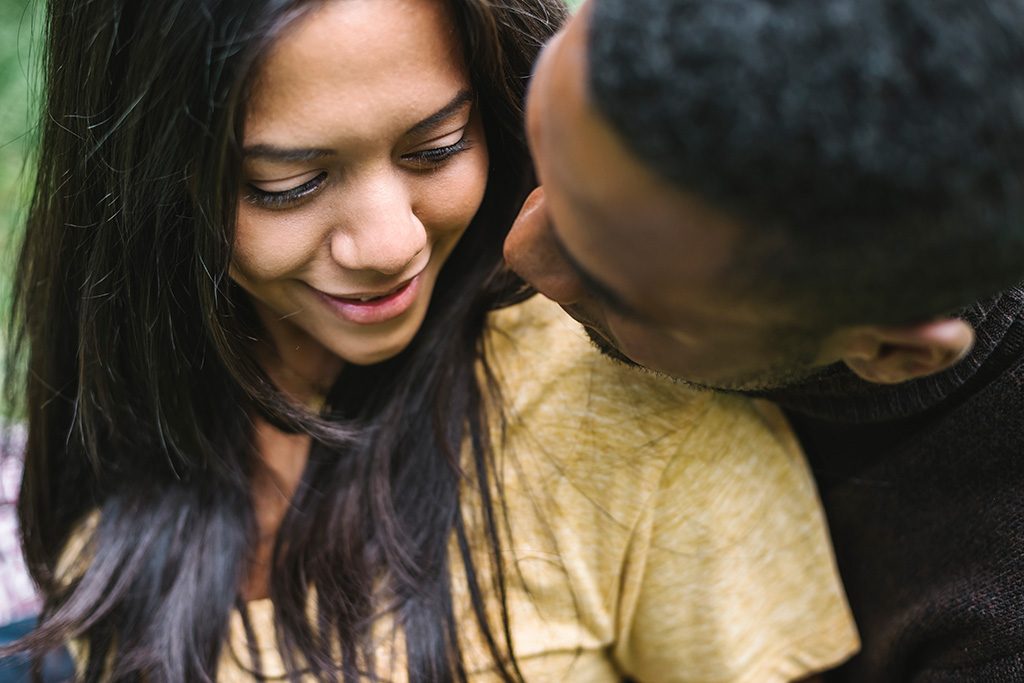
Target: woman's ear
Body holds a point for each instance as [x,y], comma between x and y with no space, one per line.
[890,355]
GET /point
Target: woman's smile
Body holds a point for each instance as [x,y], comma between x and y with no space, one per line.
[367,308]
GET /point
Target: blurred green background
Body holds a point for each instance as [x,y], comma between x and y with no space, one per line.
[19,24]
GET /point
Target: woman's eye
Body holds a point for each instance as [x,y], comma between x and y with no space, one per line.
[284,198]
[433,158]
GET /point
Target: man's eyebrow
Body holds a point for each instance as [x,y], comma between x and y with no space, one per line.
[442,114]
[600,290]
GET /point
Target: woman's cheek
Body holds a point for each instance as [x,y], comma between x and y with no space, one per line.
[450,200]
[268,245]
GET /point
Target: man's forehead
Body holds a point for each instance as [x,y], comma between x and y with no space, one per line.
[626,226]
[557,86]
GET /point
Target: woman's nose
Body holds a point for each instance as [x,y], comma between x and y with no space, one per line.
[532,251]
[380,233]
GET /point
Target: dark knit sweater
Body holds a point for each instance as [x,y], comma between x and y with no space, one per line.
[923,485]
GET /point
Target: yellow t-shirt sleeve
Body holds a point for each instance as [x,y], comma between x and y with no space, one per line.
[729,574]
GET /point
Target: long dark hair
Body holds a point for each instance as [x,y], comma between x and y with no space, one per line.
[131,355]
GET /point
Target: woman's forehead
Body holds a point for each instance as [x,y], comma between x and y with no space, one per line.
[361,67]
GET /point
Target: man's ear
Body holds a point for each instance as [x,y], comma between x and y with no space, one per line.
[890,355]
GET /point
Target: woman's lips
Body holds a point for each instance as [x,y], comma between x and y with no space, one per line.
[374,311]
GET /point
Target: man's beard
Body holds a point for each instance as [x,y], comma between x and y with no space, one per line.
[608,349]
[761,383]
[599,338]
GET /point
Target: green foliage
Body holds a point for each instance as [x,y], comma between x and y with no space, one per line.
[19,24]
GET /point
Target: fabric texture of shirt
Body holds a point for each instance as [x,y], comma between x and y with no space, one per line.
[923,484]
[656,532]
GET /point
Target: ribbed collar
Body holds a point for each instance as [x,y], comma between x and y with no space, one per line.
[838,395]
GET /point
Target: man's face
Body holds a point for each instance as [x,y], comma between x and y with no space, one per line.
[646,268]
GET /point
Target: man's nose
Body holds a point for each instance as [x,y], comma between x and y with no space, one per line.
[532,251]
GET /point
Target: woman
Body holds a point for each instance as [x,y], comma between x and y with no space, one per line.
[274,429]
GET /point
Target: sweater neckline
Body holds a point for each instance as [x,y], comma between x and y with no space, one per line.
[836,394]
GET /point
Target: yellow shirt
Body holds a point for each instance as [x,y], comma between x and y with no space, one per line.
[656,531]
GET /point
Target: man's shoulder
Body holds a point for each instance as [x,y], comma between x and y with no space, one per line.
[926,515]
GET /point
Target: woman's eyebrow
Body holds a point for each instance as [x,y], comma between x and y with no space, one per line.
[285,154]
[442,114]
[300,154]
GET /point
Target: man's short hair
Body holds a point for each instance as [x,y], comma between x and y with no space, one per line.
[874,149]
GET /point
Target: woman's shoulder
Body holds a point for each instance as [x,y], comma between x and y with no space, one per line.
[660,504]
[540,354]
[549,371]
[585,414]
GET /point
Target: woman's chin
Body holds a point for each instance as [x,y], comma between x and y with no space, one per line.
[373,353]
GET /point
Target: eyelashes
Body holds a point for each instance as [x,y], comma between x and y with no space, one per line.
[433,158]
[424,160]
[277,200]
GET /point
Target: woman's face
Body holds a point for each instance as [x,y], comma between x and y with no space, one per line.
[364,162]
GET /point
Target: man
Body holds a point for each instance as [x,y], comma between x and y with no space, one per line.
[820,201]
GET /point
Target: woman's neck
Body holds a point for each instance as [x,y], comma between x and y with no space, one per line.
[304,371]
[298,364]
[279,461]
